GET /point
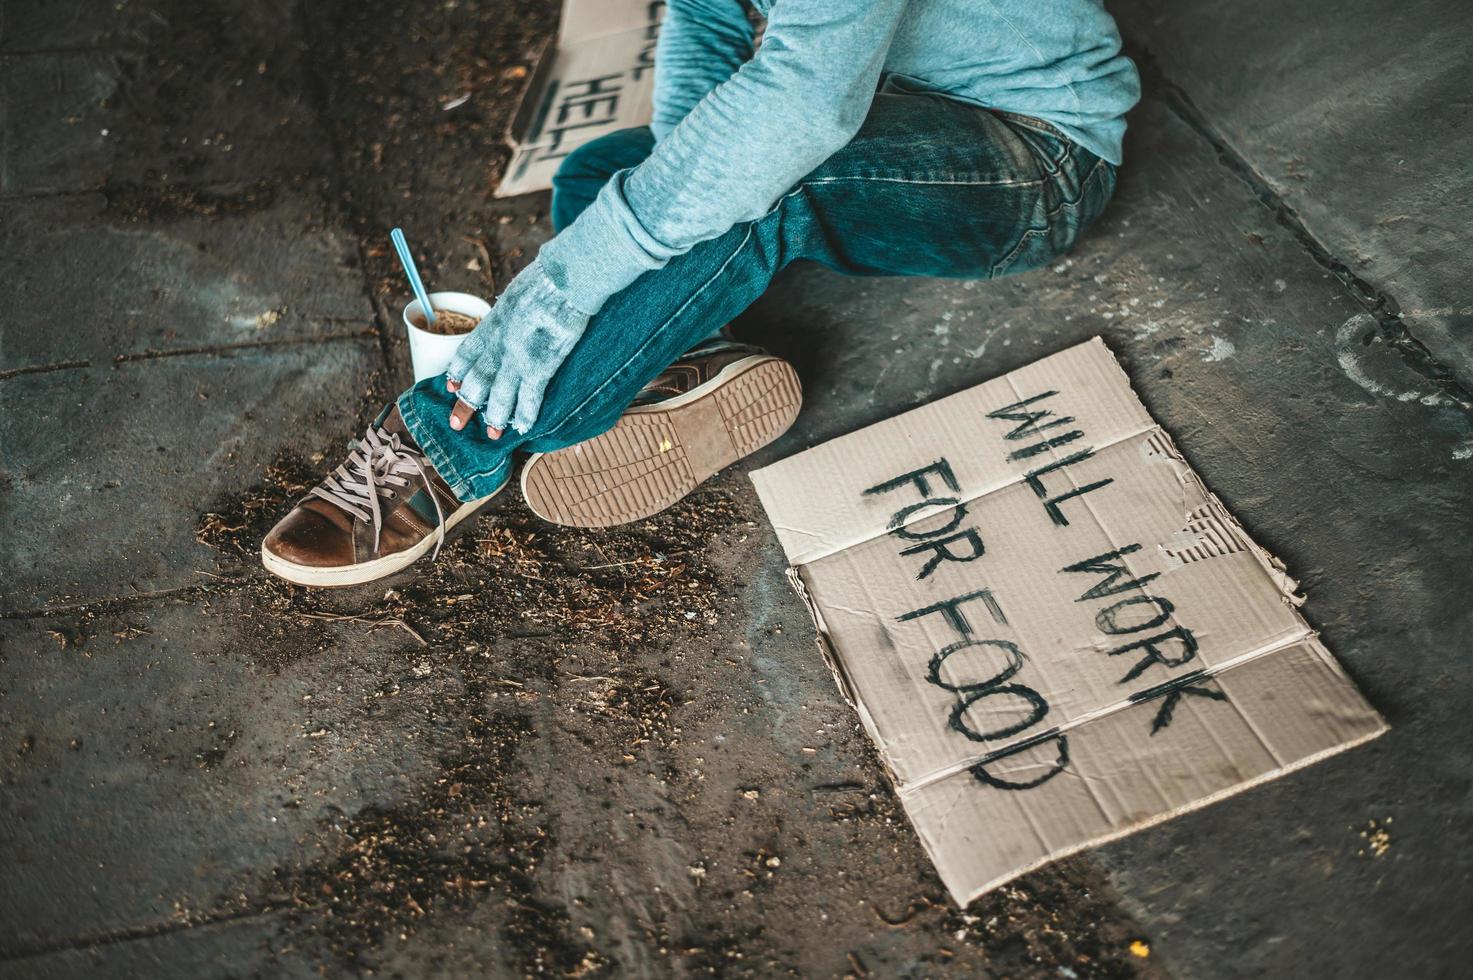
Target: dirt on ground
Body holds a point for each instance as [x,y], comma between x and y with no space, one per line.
[637,762]
[603,675]
[607,796]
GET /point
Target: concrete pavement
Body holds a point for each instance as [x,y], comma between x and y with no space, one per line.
[558,752]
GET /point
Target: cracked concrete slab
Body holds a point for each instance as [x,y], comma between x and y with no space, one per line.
[645,784]
[107,470]
[160,760]
[1360,115]
[281,271]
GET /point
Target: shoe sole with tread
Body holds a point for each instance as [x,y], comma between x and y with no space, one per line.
[656,454]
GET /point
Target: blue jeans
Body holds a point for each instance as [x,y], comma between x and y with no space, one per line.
[929,186]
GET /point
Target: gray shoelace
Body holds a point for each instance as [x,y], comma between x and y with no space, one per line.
[377,465]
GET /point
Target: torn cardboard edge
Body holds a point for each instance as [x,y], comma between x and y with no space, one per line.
[1235,617]
[595,77]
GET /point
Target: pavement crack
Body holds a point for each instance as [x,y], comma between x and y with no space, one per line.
[112,604]
[205,351]
[76,50]
[1377,302]
[43,195]
[153,355]
[114,937]
[43,368]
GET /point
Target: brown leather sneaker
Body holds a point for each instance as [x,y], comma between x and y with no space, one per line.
[376,514]
[719,402]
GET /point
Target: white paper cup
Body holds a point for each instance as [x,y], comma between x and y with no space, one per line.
[430,353]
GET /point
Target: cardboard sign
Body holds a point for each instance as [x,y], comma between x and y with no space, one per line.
[1053,632]
[598,78]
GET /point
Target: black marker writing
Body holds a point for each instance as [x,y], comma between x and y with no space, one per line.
[1110,566]
[1133,614]
[951,609]
[940,544]
[1035,482]
[981,774]
[1030,424]
[965,656]
[1028,421]
[1172,692]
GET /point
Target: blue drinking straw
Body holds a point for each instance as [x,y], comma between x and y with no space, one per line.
[415,283]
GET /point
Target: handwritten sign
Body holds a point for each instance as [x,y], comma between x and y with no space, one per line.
[1051,629]
[598,78]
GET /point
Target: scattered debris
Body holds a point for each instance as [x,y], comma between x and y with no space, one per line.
[483,264]
[507,591]
[374,622]
[1377,835]
[590,639]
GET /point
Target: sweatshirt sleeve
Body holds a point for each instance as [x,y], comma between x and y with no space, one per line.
[702,44]
[800,98]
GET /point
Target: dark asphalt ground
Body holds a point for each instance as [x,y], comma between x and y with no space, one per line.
[619,754]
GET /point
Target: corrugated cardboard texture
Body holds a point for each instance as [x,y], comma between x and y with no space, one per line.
[597,78]
[1054,633]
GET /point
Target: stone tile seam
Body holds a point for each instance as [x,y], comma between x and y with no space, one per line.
[135,934]
[1375,301]
[103,605]
[43,194]
[205,351]
[113,190]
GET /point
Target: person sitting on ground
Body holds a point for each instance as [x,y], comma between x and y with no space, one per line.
[961,138]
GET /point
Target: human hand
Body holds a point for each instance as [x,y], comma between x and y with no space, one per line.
[503,367]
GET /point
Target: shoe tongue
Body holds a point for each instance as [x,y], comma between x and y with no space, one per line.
[392,422]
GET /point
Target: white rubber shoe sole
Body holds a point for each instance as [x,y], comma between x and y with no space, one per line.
[656,454]
[373,569]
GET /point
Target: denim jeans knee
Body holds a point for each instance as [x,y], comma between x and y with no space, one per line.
[583,172]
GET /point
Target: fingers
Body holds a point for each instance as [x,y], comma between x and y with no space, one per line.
[500,402]
[471,389]
[455,371]
[461,414]
[498,391]
[529,405]
[463,362]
